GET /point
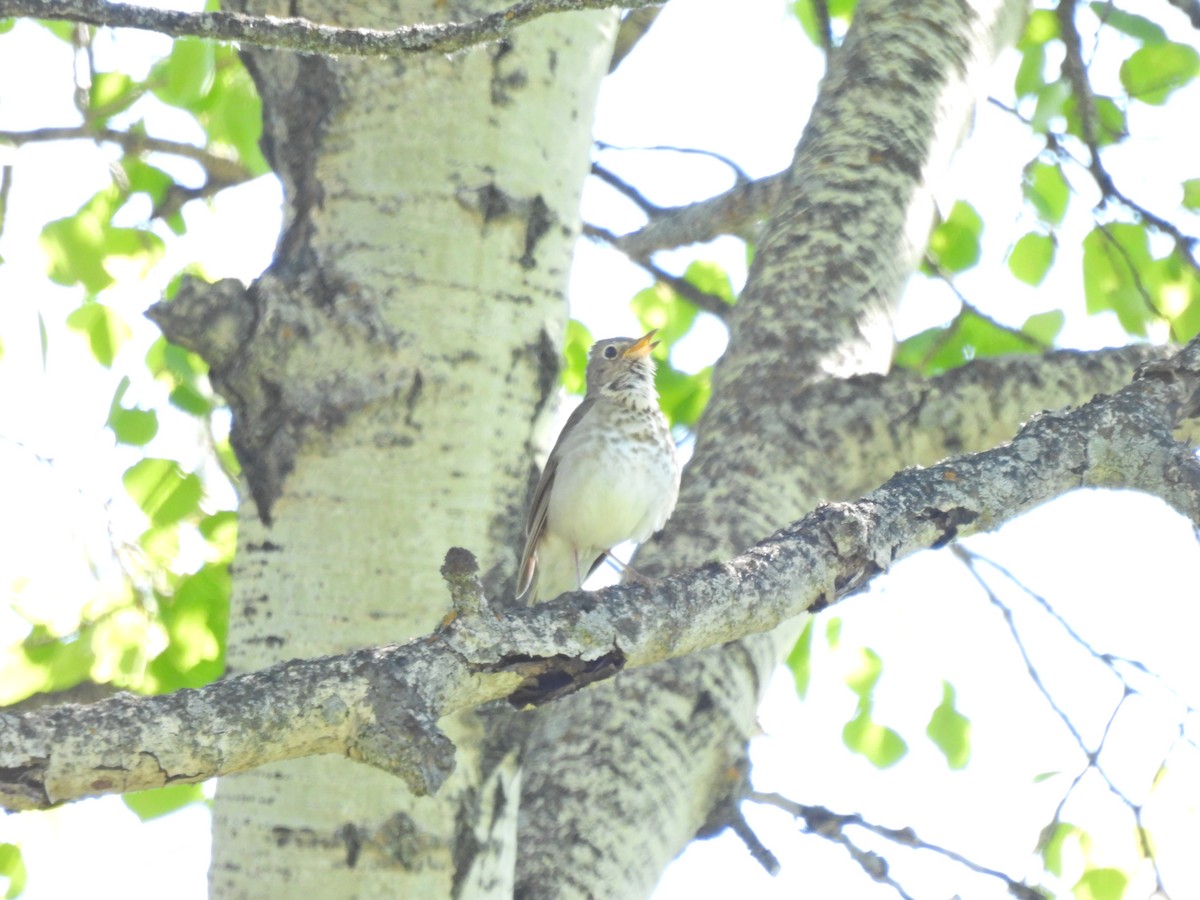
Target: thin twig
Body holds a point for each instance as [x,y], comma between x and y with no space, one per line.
[220,168]
[627,190]
[703,300]
[739,173]
[825,823]
[971,560]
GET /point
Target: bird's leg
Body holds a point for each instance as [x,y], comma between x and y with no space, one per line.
[629,572]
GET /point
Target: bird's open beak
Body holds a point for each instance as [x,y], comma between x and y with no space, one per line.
[643,347]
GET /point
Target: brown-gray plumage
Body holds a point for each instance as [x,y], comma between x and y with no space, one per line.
[612,476]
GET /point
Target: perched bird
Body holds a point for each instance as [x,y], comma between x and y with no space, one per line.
[612,476]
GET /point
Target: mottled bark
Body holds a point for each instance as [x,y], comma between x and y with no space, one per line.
[839,246]
[388,377]
[381,706]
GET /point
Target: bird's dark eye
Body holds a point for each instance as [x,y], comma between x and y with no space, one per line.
[610,352]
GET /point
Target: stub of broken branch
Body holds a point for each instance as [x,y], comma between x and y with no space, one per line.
[381,705]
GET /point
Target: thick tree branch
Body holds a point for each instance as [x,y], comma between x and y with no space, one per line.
[738,211]
[381,705]
[303,35]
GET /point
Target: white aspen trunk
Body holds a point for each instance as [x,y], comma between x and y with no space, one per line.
[400,352]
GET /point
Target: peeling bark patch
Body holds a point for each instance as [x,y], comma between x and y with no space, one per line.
[466,844]
[351,837]
[557,676]
[263,547]
[948,521]
[502,82]
[537,223]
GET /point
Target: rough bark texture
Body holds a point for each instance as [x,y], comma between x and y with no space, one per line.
[388,375]
[840,244]
[381,706]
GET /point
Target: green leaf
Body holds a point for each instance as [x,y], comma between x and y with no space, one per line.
[1191,193]
[658,306]
[833,631]
[1044,327]
[1052,845]
[105,330]
[135,427]
[111,93]
[187,74]
[1040,27]
[76,247]
[1101,884]
[1153,72]
[231,112]
[12,867]
[1031,257]
[709,277]
[1051,104]
[185,371]
[1135,26]
[63,30]
[147,805]
[190,400]
[837,10]
[1114,259]
[1176,290]
[864,678]
[800,660]
[882,746]
[954,243]
[968,337]
[196,618]
[143,178]
[43,339]
[1031,78]
[682,396]
[162,490]
[575,352]
[43,662]
[220,530]
[1111,126]
[1047,190]
[950,730]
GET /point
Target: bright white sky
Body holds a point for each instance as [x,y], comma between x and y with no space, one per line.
[1121,568]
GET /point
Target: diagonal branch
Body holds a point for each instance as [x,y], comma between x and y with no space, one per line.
[219,168]
[303,35]
[381,706]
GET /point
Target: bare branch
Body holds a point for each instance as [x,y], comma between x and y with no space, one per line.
[737,211]
[633,28]
[830,825]
[1076,71]
[1190,8]
[1113,663]
[220,168]
[305,36]
[381,706]
[710,303]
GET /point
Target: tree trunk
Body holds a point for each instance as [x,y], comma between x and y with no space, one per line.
[389,385]
[623,775]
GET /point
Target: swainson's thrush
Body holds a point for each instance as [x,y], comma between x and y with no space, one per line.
[611,477]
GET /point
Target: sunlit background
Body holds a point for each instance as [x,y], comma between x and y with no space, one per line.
[736,80]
